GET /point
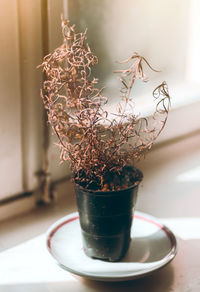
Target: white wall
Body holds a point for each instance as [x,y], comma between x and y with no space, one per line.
[10,101]
[157,29]
[30,44]
[167,33]
[20,102]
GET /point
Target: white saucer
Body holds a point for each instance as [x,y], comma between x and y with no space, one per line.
[153,246]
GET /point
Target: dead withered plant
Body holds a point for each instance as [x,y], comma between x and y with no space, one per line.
[98,144]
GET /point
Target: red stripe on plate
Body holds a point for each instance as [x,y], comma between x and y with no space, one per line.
[58,227]
[160,226]
[148,220]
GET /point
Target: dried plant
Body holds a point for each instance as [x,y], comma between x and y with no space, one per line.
[98,144]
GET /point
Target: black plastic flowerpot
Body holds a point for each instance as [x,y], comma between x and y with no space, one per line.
[106,219]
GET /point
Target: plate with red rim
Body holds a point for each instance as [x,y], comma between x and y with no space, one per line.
[152,246]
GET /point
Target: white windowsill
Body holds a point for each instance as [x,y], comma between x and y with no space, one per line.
[26,264]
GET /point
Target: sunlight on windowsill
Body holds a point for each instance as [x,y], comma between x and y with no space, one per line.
[184,228]
[30,261]
[192,175]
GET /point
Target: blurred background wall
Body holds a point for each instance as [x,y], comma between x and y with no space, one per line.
[156,29]
[20,106]
[167,33]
